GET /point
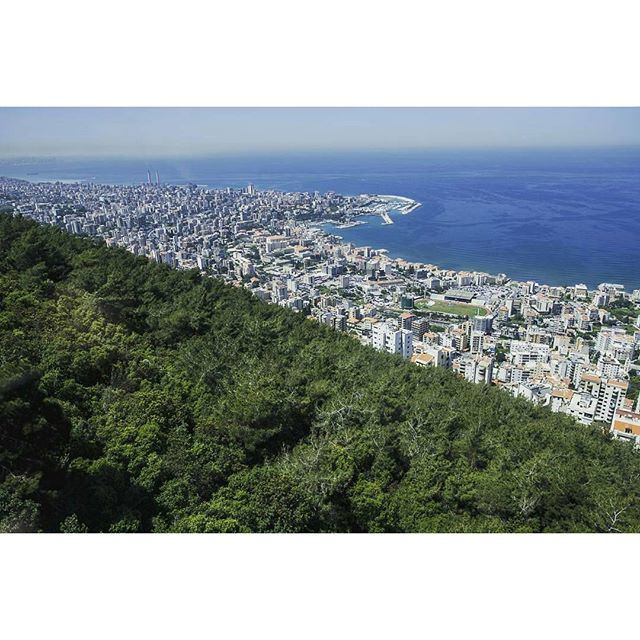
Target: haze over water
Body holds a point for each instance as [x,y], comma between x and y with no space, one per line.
[554,216]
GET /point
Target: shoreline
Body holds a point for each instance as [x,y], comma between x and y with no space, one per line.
[409,205]
[395,257]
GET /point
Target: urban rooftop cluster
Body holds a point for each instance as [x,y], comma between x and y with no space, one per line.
[569,348]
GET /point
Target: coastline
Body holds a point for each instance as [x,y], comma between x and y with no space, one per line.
[412,206]
[387,253]
[408,205]
[541,216]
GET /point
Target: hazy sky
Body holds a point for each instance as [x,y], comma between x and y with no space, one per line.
[180,131]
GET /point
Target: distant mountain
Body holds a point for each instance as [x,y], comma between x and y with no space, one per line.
[134,397]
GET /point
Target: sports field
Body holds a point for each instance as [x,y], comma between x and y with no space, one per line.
[455,308]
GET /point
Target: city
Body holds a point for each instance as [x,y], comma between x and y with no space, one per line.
[572,349]
[362,279]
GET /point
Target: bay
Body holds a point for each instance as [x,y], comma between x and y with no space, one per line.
[557,216]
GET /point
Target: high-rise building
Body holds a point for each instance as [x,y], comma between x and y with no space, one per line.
[340,322]
[384,338]
[482,324]
[476,342]
[609,394]
[419,326]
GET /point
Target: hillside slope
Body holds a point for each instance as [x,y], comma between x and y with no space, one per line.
[134,397]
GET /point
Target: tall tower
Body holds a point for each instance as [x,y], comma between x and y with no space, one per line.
[148,176]
[157,178]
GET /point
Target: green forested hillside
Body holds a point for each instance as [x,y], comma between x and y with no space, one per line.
[134,397]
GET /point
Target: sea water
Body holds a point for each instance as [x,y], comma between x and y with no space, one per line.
[557,216]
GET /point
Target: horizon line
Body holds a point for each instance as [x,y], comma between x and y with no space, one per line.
[166,155]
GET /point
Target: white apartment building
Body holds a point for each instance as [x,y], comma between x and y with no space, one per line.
[244,266]
[463,279]
[273,243]
[384,338]
[441,356]
[279,292]
[523,352]
[615,343]
[542,303]
[581,291]
[601,299]
[610,368]
[512,374]
[609,395]
[477,342]
[583,407]
[481,324]
[533,392]
[560,399]
[476,369]
[456,339]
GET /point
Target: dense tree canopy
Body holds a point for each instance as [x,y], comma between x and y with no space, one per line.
[134,397]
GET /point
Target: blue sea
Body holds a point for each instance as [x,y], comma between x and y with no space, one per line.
[555,216]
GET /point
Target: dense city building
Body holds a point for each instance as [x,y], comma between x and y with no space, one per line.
[569,348]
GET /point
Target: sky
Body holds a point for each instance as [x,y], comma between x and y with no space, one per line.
[165,131]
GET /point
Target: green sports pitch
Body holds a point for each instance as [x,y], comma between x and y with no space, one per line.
[453,308]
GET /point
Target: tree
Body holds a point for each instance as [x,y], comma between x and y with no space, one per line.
[134,397]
